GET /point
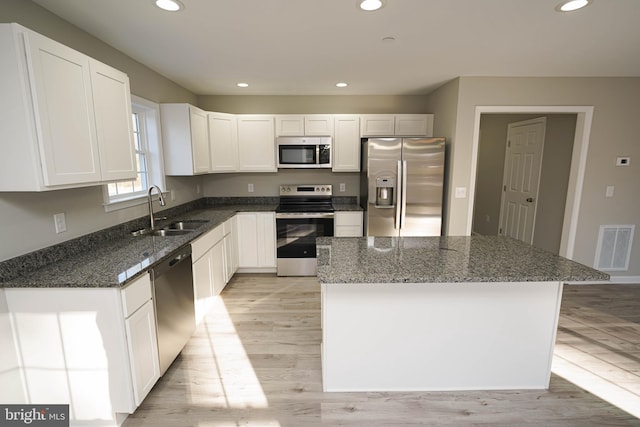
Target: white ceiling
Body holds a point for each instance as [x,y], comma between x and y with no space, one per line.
[304,47]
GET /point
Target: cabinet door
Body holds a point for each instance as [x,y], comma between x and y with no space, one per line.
[348,224]
[223,140]
[247,224]
[199,139]
[219,270]
[318,125]
[377,125]
[112,104]
[414,124]
[346,144]
[202,284]
[143,350]
[289,125]
[266,234]
[230,248]
[65,116]
[256,144]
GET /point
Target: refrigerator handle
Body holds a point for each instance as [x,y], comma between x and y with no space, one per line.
[399,191]
[403,207]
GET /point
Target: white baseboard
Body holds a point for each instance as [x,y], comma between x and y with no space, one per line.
[625,280]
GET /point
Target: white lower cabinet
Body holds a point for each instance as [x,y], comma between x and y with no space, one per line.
[256,241]
[95,348]
[347,224]
[230,247]
[208,268]
[142,342]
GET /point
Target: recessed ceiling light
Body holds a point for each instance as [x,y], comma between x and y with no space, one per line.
[370,5]
[571,5]
[242,84]
[169,5]
[342,84]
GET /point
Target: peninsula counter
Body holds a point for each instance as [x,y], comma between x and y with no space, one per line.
[440,313]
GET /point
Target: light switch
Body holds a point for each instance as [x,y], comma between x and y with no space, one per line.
[610,191]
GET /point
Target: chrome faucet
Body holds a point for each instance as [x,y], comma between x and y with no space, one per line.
[150,200]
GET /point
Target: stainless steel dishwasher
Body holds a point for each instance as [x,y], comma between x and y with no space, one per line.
[174,303]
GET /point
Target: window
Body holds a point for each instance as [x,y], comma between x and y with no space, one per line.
[146,134]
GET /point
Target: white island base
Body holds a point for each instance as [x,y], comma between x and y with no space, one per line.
[438,336]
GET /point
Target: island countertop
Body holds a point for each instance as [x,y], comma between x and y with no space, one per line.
[454,259]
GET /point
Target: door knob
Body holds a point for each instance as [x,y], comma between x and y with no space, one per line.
[530,199]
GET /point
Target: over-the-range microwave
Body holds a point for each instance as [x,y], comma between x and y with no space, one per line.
[304,151]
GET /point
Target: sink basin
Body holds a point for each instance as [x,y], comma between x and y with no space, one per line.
[190,224]
[164,232]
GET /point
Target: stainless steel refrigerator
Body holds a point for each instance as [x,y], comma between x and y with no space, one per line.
[401,186]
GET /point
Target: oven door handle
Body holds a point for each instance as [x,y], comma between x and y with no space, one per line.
[282,215]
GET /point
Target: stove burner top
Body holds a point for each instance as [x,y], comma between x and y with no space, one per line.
[305,198]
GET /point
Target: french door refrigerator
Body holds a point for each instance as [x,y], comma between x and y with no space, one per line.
[401,186]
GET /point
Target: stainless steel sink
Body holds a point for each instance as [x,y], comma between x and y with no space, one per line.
[176,228]
[164,232]
[187,224]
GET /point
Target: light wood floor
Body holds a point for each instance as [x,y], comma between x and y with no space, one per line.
[255,361]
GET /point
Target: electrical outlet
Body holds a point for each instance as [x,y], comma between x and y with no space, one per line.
[173,195]
[461,192]
[487,218]
[250,188]
[197,188]
[343,187]
[60,223]
[610,191]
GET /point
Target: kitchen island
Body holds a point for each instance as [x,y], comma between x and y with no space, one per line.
[440,313]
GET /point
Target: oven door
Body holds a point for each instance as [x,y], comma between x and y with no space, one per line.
[296,241]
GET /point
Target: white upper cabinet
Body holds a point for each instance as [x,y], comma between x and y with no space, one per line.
[256,143]
[396,125]
[223,140]
[113,122]
[346,144]
[414,124]
[304,125]
[60,112]
[185,133]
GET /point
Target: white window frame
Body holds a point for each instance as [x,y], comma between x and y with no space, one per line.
[155,164]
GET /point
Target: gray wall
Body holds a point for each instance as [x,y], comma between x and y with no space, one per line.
[27,218]
[317,104]
[554,180]
[614,132]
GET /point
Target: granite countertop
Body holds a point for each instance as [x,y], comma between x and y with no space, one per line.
[115,262]
[339,207]
[443,260]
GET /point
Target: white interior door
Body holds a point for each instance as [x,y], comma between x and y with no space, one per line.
[521,178]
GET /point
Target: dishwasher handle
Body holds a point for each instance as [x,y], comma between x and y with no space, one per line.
[178,258]
[173,261]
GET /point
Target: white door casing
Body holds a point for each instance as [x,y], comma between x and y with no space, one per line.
[521,178]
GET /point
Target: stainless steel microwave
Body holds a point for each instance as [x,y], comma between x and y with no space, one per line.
[304,151]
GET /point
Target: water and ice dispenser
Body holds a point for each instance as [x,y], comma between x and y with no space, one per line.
[384,192]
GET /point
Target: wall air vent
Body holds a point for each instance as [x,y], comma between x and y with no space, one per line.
[614,247]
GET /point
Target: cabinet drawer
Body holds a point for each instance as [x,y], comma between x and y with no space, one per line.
[348,218]
[202,244]
[135,294]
